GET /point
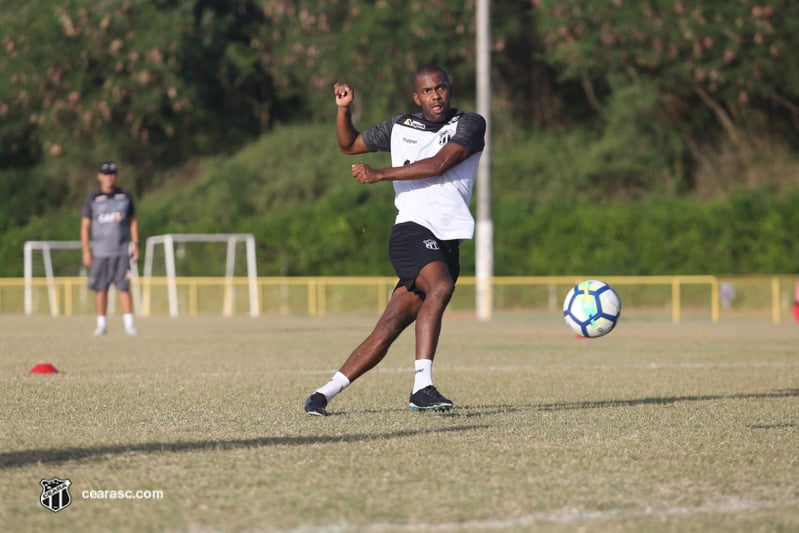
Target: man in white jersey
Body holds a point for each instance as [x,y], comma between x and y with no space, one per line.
[109,232]
[434,156]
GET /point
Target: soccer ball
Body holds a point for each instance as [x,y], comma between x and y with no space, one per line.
[592,308]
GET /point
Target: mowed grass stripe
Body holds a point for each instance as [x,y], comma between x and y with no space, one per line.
[568,517]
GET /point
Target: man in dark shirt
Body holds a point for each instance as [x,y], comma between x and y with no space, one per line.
[110,216]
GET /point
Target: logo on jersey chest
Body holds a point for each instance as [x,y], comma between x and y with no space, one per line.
[109,218]
[414,124]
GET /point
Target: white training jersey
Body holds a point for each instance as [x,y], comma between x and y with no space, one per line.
[441,203]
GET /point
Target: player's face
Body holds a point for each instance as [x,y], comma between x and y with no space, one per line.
[107,181]
[432,93]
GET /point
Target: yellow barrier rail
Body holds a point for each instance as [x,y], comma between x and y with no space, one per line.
[674,298]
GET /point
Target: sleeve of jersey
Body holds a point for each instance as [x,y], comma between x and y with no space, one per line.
[86,208]
[471,132]
[378,138]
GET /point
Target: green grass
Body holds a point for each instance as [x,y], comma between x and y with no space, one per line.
[656,427]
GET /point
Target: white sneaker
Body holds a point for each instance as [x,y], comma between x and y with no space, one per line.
[132,331]
[99,331]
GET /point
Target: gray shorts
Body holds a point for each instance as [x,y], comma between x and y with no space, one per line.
[108,270]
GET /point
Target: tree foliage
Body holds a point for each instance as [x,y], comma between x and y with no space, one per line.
[377,45]
[153,84]
[722,67]
[147,83]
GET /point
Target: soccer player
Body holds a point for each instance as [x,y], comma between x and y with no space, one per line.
[109,214]
[434,156]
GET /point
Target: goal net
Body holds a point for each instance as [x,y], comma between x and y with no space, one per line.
[182,273]
[56,279]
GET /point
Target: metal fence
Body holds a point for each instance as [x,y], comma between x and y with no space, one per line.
[672,298]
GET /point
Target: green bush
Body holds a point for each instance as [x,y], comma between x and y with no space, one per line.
[748,233]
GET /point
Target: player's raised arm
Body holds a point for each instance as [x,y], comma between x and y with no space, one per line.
[349,139]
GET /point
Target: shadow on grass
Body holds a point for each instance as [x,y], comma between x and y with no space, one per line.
[58,455]
[22,458]
[667,400]
[469,411]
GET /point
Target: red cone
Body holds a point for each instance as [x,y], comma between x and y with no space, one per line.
[44,368]
[796,303]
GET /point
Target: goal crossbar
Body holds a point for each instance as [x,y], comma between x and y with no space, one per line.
[232,239]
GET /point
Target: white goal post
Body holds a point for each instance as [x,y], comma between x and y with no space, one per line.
[46,248]
[168,242]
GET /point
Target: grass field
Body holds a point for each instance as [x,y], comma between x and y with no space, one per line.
[656,427]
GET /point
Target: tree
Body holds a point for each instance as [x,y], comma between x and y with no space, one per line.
[375,46]
[146,83]
[715,66]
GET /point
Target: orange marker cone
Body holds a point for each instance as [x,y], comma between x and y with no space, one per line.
[44,368]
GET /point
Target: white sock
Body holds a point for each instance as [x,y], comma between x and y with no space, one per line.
[337,383]
[127,319]
[101,321]
[423,376]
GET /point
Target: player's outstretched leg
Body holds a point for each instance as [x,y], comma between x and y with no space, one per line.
[398,315]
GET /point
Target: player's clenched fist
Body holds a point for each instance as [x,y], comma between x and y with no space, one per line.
[344,94]
[364,173]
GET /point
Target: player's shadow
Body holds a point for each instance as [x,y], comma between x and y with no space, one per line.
[17,459]
[23,458]
[667,400]
[472,411]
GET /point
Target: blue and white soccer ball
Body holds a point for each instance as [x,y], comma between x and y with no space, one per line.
[592,308]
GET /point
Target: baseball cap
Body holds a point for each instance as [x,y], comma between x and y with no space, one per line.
[108,167]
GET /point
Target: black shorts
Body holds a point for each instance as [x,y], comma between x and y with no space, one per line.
[107,270]
[412,246]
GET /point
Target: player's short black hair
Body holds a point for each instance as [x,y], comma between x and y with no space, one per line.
[426,69]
